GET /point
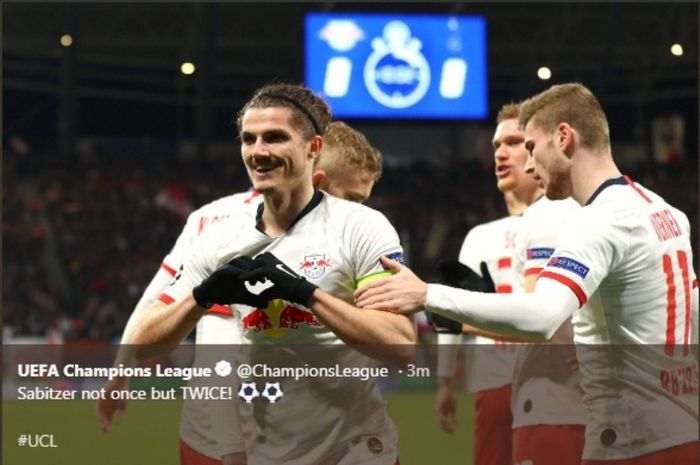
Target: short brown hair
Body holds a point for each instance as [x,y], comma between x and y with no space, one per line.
[352,150]
[310,113]
[572,103]
[508,111]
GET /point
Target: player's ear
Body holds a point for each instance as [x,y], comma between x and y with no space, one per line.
[316,146]
[565,138]
[318,177]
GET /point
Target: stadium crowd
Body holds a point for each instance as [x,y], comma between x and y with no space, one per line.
[82,237]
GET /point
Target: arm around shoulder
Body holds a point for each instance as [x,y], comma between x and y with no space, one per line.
[385,336]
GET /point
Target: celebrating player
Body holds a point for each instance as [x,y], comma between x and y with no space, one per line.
[490,362]
[628,256]
[336,245]
[347,168]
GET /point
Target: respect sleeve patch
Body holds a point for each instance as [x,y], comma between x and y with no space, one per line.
[569,264]
[539,253]
[396,256]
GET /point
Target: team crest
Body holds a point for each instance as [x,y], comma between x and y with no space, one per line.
[314,266]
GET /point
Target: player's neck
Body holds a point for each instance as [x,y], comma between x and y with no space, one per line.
[589,172]
[281,209]
[526,196]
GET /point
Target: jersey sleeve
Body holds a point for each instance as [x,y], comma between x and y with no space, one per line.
[199,263]
[537,246]
[177,254]
[586,256]
[165,274]
[371,236]
[469,253]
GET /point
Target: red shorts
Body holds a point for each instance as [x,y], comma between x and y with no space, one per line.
[685,454]
[493,433]
[548,445]
[189,456]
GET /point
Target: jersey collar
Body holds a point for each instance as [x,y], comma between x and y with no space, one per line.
[609,182]
[313,203]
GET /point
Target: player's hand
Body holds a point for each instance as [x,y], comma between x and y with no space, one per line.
[224,287]
[111,411]
[442,324]
[272,279]
[403,292]
[457,274]
[446,409]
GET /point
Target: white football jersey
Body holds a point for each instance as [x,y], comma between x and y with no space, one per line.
[546,382]
[629,257]
[491,362]
[334,244]
[217,327]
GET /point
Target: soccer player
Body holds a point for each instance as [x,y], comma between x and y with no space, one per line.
[334,243]
[628,256]
[490,362]
[547,410]
[347,168]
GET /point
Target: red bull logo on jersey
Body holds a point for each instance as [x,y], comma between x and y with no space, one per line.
[293,317]
[257,321]
[569,264]
[314,266]
[277,318]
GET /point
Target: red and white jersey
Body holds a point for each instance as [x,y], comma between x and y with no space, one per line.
[491,362]
[242,205]
[335,244]
[546,384]
[629,258]
[216,327]
[539,233]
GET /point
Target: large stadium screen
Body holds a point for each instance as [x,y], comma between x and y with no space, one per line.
[398,66]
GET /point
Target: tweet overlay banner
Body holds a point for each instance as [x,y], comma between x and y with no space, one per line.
[299,404]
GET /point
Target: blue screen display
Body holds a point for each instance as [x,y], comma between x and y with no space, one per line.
[398,66]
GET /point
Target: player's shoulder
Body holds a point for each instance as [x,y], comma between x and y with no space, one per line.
[352,218]
[495,227]
[544,207]
[342,209]
[248,200]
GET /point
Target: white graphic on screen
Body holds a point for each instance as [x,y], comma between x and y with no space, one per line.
[341,36]
[397,75]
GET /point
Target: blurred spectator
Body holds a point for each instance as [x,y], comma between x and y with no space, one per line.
[104,226]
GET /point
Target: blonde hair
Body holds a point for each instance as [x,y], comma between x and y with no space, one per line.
[351,150]
[572,103]
[508,111]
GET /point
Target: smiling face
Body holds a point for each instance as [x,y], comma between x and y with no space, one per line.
[275,153]
[547,162]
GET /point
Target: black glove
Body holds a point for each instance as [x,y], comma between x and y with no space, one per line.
[443,324]
[456,274]
[272,279]
[223,286]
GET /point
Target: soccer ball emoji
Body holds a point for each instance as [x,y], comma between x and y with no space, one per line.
[248,392]
[272,392]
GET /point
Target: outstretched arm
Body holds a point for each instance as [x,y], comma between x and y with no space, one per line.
[367,327]
[536,316]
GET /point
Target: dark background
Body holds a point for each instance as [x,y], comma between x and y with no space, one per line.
[107,145]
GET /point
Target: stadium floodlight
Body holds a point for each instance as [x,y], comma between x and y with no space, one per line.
[66,40]
[187,68]
[677,49]
[544,73]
